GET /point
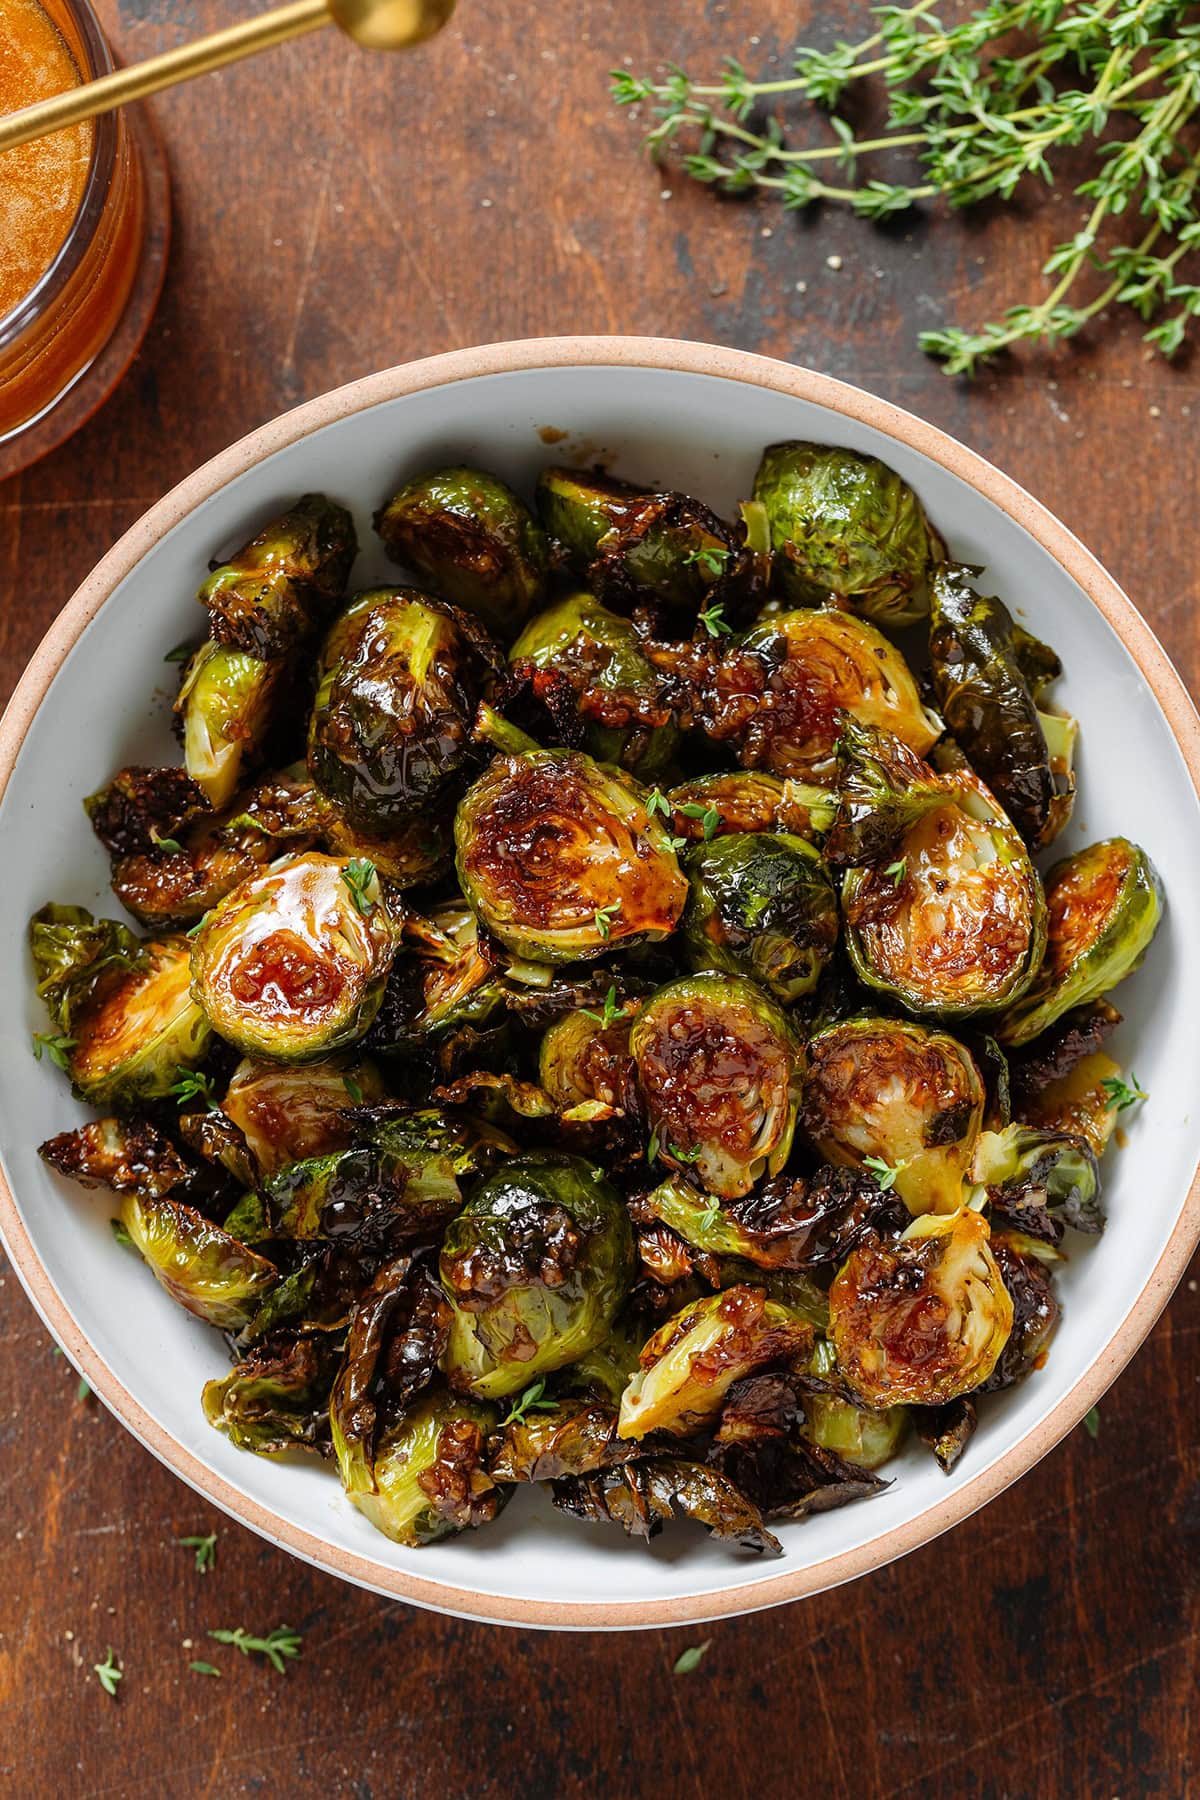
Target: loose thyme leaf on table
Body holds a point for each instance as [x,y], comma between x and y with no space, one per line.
[979,105]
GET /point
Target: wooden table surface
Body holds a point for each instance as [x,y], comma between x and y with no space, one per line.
[335,213]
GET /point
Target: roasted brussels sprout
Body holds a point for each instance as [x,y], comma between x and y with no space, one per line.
[1080,1103]
[979,658]
[126,1155]
[863,1435]
[585,1064]
[277,589]
[792,1222]
[209,1272]
[892,1095]
[761,904]
[428,1477]
[286,1113]
[535,1266]
[570,1437]
[1035,1307]
[414,852]
[277,1397]
[748,800]
[956,923]
[292,964]
[819,665]
[845,528]
[600,655]
[391,723]
[124,1008]
[1040,1181]
[226,703]
[141,805]
[476,544]
[448,986]
[923,1318]
[1104,904]
[718,1066]
[642,1497]
[561,859]
[691,1362]
[631,545]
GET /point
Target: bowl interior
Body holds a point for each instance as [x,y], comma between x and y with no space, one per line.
[110,705]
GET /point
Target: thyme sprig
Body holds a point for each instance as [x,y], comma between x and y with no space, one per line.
[982,106]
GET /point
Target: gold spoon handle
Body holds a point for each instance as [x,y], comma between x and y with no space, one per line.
[382,24]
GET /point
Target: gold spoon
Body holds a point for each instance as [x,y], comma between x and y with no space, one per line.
[376,24]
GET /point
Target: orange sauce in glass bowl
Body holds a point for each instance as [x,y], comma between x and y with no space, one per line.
[41,184]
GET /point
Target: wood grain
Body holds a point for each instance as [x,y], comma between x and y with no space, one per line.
[336,212]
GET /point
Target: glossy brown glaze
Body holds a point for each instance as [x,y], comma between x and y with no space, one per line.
[1082,902]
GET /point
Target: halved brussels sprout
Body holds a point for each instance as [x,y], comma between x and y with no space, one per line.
[279,587]
[125,1009]
[790,1223]
[692,1361]
[570,1437]
[476,544]
[175,876]
[428,1476]
[761,904]
[719,1069]
[862,1435]
[561,859]
[391,723]
[631,544]
[206,1270]
[446,987]
[979,660]
[413,852]
[585,1065]
[956,923]
[1039,1180]
[924,1317]
[821,664]
[600,655]
[226,703]
[1104,905]
[277,1398]
[535,1267]
[845,528]
[287,1113]
[1080,1103]
[890,1092]
[1035,1307]
[292,964]
[748,800]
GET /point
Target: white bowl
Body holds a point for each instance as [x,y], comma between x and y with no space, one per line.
[96,696]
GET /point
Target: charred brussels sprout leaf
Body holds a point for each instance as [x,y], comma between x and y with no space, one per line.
[447,987]
[978,657]
[476,544]
[819,665]
[792,1222]
[1040,1181]
[643,1497]
[535,1267]
[923,1318]
[141,806]
[761,904]
[845,528]
[632,545]
[226,704]
[286,1113]
[126,1007]
[600,656]
[956,923]
[277,1397]
[718,1066]
[561,860]
[691,1362]
[391,723]
[573,1437]
[429,1478]
[1078,1104]
[888,1091]
[123,1154]
[292,964]
[1035,1309]
[285,581]
[1104,905]
[748,800]
[206,1270]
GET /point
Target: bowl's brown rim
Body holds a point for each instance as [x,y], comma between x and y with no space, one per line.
[964,1496]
